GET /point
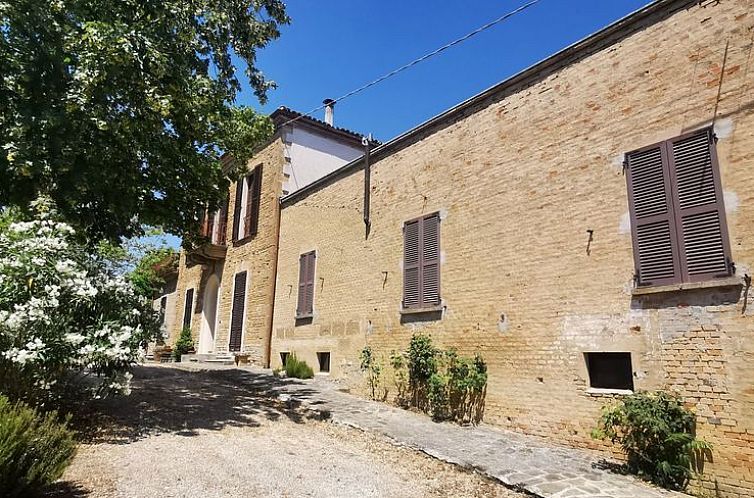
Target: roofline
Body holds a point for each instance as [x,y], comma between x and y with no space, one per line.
[282,115]
[595,42]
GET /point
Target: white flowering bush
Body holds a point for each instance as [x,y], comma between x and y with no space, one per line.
[67,322]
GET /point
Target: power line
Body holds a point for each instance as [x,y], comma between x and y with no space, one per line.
[420,59]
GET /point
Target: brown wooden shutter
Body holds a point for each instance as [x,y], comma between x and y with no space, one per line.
[421,262]
[237,209]
[411,264]
[430,261]
[307,268]
[698,206]
[237,312]
[252,202]
[205,224]
[301,304]
[223,223]
[188,304]
[656,254]
[310,271]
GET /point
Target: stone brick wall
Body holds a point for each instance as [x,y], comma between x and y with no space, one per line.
[518,183]
[256,256]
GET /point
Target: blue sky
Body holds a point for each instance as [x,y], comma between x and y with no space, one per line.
[334,46]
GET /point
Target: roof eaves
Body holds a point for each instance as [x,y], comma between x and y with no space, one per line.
[537,71]
[283,115]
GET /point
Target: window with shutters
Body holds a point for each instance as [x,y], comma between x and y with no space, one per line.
[306,270]
[677,213]
[187,308]
[237,312]
[421,263]
[213,225]
[246,209]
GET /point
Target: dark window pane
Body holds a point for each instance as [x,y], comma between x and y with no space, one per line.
[610,370]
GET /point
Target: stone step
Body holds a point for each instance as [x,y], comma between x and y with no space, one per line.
[216,359]
[221,361]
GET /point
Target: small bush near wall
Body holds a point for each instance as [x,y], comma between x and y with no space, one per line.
[373,370]
[400,378]
[35,448]
[656,432]
[457,389]
[297,369]
[438,382]
[184,344]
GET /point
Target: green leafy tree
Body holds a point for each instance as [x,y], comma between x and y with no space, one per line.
[119,111]
[150,272]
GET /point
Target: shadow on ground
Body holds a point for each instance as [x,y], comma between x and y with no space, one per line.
[184,402]
[66,489]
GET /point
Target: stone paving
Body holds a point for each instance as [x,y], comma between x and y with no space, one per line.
[520,461]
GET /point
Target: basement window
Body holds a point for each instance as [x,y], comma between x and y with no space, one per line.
[610,371]
[284,357]
[324,361]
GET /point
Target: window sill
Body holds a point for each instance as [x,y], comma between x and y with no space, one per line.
[416,311]
[241,242]
[707,284]
[595,391]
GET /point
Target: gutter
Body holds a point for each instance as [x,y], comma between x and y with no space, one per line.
[268,349]
[597,41]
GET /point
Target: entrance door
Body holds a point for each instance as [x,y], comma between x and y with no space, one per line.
[209,316]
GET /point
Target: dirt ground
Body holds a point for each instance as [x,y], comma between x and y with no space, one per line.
[183,434]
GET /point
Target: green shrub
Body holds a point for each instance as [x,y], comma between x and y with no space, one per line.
[421,359]
[656,432]
[400,377]
[297,369]
[373,369]
[467,385]
[68,322]
[456,391]
[184,344]
[444,384]
[437,395]
[35,448]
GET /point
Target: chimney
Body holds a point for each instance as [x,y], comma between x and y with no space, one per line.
[329,111]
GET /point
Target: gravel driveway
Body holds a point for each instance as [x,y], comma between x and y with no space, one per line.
[186,434]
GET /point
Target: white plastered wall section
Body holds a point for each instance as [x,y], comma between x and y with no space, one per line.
[310,155]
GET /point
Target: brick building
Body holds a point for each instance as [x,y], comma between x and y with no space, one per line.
[585,225]
[224,289]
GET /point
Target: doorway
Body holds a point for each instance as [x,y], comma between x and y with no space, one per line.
[209,316]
